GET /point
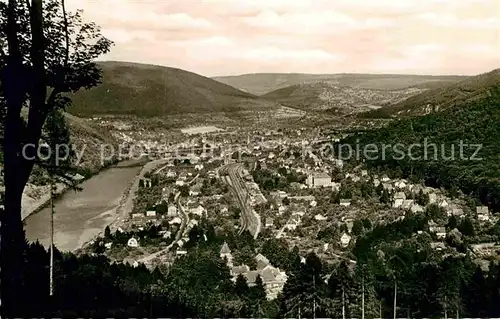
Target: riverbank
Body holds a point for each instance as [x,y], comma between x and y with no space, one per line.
[126,203]
[36,198]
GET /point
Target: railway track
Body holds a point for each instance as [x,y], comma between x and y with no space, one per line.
[235,181]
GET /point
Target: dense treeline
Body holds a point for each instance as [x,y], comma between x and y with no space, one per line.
[437,156]
[199,284]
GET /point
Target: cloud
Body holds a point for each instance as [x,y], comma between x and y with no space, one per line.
[277,54]
[215,37]
[452,21]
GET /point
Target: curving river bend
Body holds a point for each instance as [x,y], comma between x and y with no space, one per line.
[80,216]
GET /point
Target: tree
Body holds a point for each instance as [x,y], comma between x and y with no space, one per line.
[357,227]
[50,54]
[367,189]
[241,287]
[385,198]
[341,289]
[107,233]
[286,201]
[422,199]
[184,190]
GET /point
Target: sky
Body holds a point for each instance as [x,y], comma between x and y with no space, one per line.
[231,37]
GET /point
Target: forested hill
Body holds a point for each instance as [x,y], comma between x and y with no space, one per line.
[442,97]
[149,90]
[476,122]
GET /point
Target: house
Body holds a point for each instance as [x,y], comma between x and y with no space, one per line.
[171,174]
[339,163]
[132,242]
[364,172]
[400,184]
[131,262]
[293,223]
[482,213]
[407,204]
[417,208]
[454,211]
[150,213]
[345,202]
[108,245]
[438,246]
[376,182]
[320,217]
[225,253]
[198,167]
[281,210]
[388,187]
[175,220]
[171,210]
[262,261]
[237,270]
[199,210]
[443,203]
[181,252]
[313,203]
[355,178]
[441,232]
[137,215]
[399,199]
[336,187]
[385,178]
[269,222]
[179,182]
[344,240]
[167,234]
[315,180]
[432,198]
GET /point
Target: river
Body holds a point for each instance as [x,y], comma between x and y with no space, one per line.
[80,216]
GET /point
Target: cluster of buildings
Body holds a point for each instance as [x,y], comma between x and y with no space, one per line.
[273,278]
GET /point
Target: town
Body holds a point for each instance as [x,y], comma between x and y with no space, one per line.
[249,188]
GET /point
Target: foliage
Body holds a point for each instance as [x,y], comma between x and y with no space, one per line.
[475,123]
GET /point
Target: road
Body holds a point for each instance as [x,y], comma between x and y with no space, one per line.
[250,220]
[178,235]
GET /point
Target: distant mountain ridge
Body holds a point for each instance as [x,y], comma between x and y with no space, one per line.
[325,96]
[149,90]
[443,97]
[263,83]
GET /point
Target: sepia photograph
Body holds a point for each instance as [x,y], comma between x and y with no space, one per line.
[250,159]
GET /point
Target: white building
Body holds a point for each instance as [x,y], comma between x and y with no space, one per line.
[345,202]
[315,180]
[171,210]
[483,213]
[132,242]
[345,239]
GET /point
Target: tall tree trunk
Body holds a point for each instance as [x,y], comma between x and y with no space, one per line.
[445,307]
[395,297]
[343,303]
[314,298]
[363,297]
[17,167]
[51,267]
